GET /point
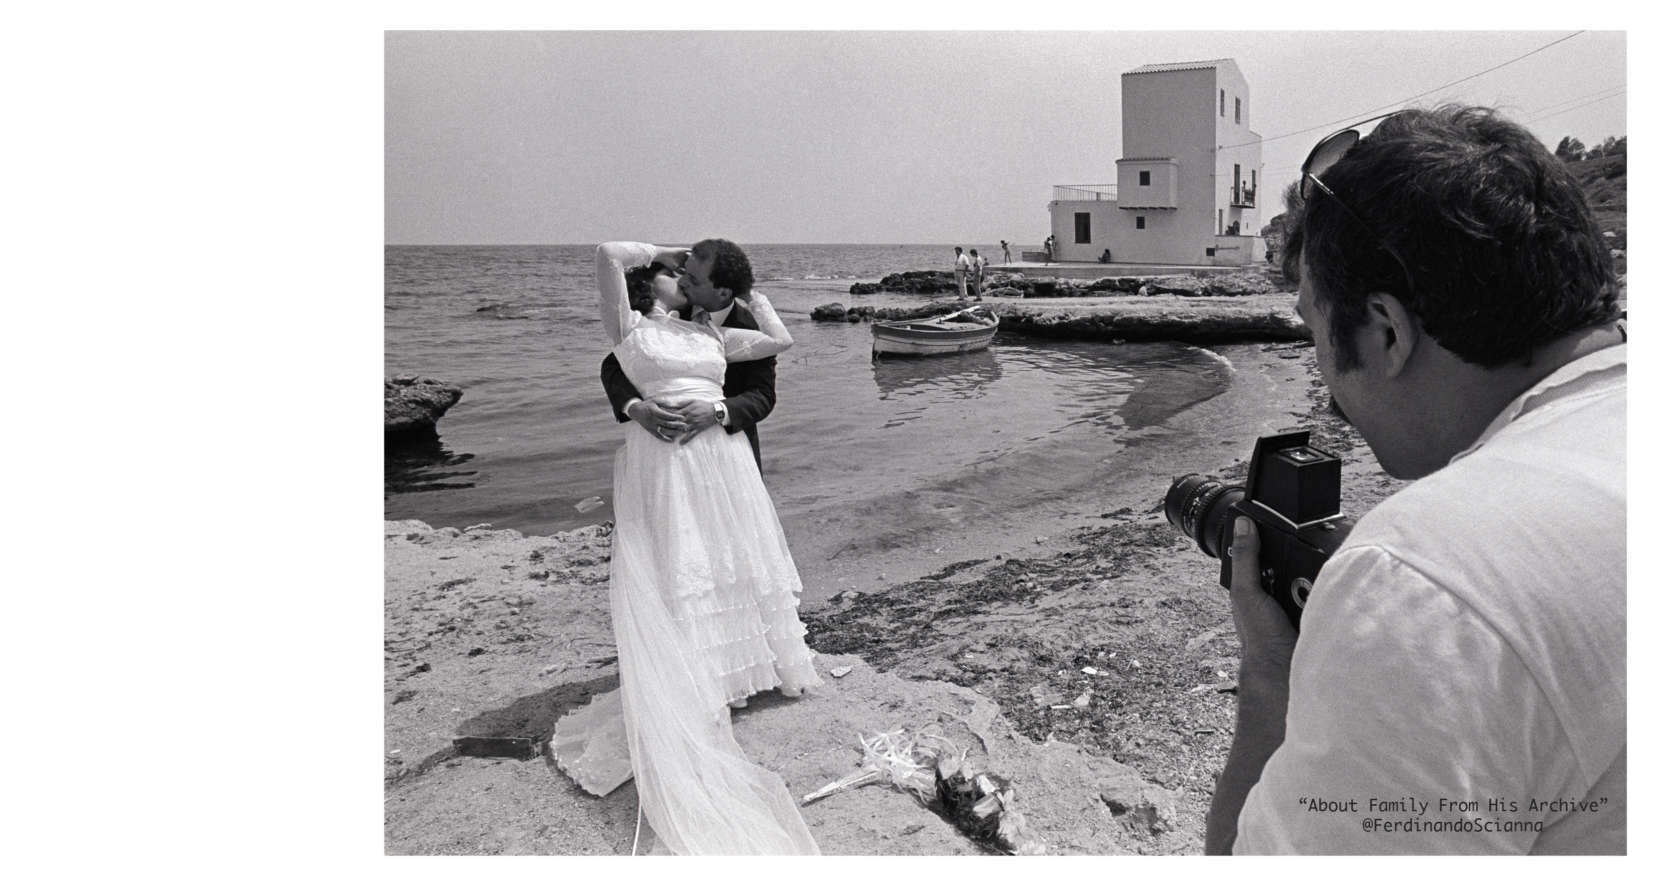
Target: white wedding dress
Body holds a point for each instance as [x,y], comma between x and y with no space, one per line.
[703,598]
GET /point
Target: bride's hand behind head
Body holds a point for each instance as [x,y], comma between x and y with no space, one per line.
[655,284]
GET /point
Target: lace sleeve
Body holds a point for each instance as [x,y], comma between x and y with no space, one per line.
[610,261]
[748,345]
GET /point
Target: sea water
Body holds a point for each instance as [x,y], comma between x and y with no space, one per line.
[859,454]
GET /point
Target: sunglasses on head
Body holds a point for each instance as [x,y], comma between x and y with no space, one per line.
[1327,152]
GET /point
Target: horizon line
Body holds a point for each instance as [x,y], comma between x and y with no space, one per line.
[767,243]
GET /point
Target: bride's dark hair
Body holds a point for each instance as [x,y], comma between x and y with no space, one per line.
[639,280]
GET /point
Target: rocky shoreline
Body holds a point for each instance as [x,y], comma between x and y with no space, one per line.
[1095,671]
[1210,308]
[414,404]
[1200,320]
[1251,305]
[1222,282]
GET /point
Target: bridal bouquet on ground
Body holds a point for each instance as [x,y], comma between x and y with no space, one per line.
[932,768]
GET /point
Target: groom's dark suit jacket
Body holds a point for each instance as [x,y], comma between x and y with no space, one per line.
[749,389]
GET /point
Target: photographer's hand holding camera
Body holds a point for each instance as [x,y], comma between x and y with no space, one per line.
[1458,684]
[1266,640]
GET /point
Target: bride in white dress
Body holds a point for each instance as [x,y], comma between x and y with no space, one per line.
[703,589]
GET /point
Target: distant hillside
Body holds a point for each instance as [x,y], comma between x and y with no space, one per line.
[1604,182]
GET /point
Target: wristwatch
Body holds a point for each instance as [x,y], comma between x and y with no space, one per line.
[720,412]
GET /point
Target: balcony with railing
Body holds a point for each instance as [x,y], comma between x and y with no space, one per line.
[1086,193]
[1244,196]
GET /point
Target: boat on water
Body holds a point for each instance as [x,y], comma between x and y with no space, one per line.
[967,330]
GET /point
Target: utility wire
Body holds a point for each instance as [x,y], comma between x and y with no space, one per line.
[1557,107]
[1574,107]
[1543,112]
[1594,94]
[1618,91]
[1405,100]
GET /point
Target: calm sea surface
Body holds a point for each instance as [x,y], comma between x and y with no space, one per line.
[856,450]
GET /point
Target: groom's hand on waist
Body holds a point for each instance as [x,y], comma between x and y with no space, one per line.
[699,415]
[664,419]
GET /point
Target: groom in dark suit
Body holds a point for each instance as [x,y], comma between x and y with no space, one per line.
[715,273]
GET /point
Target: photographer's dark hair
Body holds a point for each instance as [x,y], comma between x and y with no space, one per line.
[639,280]
[731,269]
[1504,254]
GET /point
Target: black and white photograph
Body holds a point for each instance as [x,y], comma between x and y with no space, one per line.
[1003,442]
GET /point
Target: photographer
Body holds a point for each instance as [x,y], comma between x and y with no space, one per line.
[1458,685]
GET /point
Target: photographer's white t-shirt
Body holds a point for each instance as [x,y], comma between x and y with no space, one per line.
[1459,685]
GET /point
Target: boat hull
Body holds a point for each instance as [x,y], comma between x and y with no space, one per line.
[940,335]
[901,343]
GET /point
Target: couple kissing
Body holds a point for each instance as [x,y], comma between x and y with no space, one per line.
[703,590]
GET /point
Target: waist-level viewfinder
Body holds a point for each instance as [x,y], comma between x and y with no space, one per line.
[1293,494]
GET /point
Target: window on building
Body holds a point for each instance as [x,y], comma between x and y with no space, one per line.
[1146,177]
[1141,222]
[1223,102]
[1236,107]
[1080,228]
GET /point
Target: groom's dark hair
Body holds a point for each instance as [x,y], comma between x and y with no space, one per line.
[731,269]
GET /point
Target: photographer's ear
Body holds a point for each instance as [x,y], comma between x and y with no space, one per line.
[1392,332]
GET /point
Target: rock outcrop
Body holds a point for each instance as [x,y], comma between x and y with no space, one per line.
[1197,320]
[1201,320]
[926,283]
[839,312]
[414,404]
[1219,283]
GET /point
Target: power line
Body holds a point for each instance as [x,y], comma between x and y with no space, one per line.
[1443,86]
[1602,93]
[1544,112]
[1574,107]
[1617,92]
[1598,96]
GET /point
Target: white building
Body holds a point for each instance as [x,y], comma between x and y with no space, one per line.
[1186,189]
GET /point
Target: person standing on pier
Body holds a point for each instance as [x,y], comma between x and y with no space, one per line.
[961,272]
[1006,257]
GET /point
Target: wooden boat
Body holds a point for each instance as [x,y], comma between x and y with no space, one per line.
[967,330]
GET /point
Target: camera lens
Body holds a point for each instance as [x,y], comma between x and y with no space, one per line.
[1197,506]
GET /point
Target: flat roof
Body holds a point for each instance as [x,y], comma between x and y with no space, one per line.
[1176,66]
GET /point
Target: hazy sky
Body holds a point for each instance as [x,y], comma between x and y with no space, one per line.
[880,137]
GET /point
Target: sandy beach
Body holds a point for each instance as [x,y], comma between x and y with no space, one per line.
[1091,659]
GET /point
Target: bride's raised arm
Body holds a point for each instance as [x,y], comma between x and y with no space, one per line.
[610,261]
[748,345]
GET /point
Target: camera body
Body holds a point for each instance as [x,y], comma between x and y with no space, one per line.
[1292,494]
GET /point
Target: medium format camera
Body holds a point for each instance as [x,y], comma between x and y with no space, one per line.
[1291,493]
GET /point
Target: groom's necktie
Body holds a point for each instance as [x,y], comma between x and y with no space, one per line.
[701,316]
